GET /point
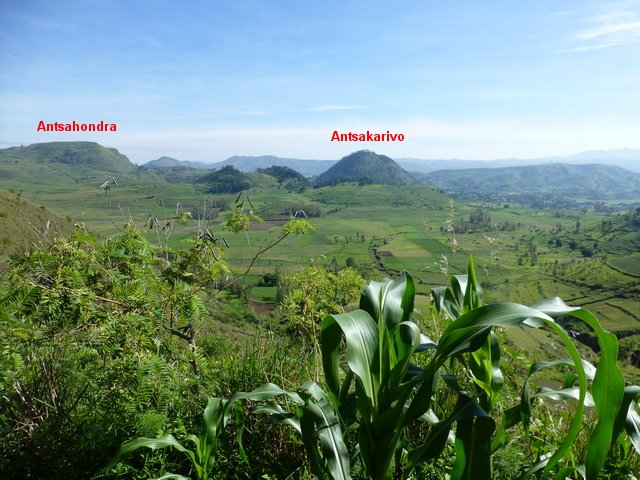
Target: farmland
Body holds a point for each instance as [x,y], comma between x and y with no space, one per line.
[385,230]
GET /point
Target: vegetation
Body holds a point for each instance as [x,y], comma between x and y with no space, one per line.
[129,333]
[382,393]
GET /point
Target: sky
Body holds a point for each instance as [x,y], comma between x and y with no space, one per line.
[205,80]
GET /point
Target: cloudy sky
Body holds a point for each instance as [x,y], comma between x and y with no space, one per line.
[204,80]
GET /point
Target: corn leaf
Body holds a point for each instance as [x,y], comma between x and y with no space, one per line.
[333,447]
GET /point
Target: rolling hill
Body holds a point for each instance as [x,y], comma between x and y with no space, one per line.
[591,181]
[365,167]
[62,162]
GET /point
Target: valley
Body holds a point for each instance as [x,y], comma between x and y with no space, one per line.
[130,296]
[523,253]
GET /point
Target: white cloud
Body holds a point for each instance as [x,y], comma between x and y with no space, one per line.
[628,29]
[612,27]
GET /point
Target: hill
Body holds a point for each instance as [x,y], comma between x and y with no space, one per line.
[365,167]
[592,181]
[62,162]
[226,180]
[23,223]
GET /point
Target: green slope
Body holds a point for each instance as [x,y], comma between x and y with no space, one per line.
[23,224]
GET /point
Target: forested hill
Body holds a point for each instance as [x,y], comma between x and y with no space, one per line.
[365,167]
[591,181]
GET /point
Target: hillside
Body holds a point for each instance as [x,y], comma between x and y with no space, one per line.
[365,167]
[23,223]
[77,162]
[592,181]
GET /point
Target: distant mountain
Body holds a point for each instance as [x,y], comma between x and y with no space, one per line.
[165,161]
[308,168]
[591,181]
[365,167]
[625,158]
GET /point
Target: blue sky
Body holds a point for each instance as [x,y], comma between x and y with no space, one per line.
[204,80]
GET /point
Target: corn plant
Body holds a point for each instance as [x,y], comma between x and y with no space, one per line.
[381,392]
[202,456]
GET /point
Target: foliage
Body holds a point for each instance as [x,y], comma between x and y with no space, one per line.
[206,443]
[94,342]
[382,392]
[100,342]
[313,292]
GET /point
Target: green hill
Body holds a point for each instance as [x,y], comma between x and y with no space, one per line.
[23,223]
[592,181]
[79,162]
[365,167]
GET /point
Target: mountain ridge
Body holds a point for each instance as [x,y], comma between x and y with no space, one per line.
[625,157]
[591,181]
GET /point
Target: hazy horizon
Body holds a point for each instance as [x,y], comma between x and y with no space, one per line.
[209,80]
